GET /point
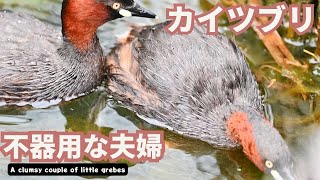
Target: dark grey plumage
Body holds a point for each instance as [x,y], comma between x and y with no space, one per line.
[200,86]
[194,82]
[36,64]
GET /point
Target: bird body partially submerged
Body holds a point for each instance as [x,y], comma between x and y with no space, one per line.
[194,82]
[199,86]
[38,63]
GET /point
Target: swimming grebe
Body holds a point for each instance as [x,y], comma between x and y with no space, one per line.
[38,64]
[200,86]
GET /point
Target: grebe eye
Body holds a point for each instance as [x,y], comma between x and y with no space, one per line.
[269,164]
[116,6]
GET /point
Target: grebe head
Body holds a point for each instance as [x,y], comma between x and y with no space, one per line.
[82,18]
[262,144]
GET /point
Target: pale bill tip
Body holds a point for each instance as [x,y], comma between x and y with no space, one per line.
[125,13]
[276,175]
[157,17]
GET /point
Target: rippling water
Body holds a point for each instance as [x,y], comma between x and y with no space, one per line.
[185,158]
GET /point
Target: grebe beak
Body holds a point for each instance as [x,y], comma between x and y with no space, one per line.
[284,174]
[136,10]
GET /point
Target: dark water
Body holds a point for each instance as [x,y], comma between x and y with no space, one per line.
[292,101]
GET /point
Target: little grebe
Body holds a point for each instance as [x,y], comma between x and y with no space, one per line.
[36,65]
[200,86]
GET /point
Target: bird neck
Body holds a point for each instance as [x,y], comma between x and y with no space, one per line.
[241,129]
[80,21]
[83,41]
